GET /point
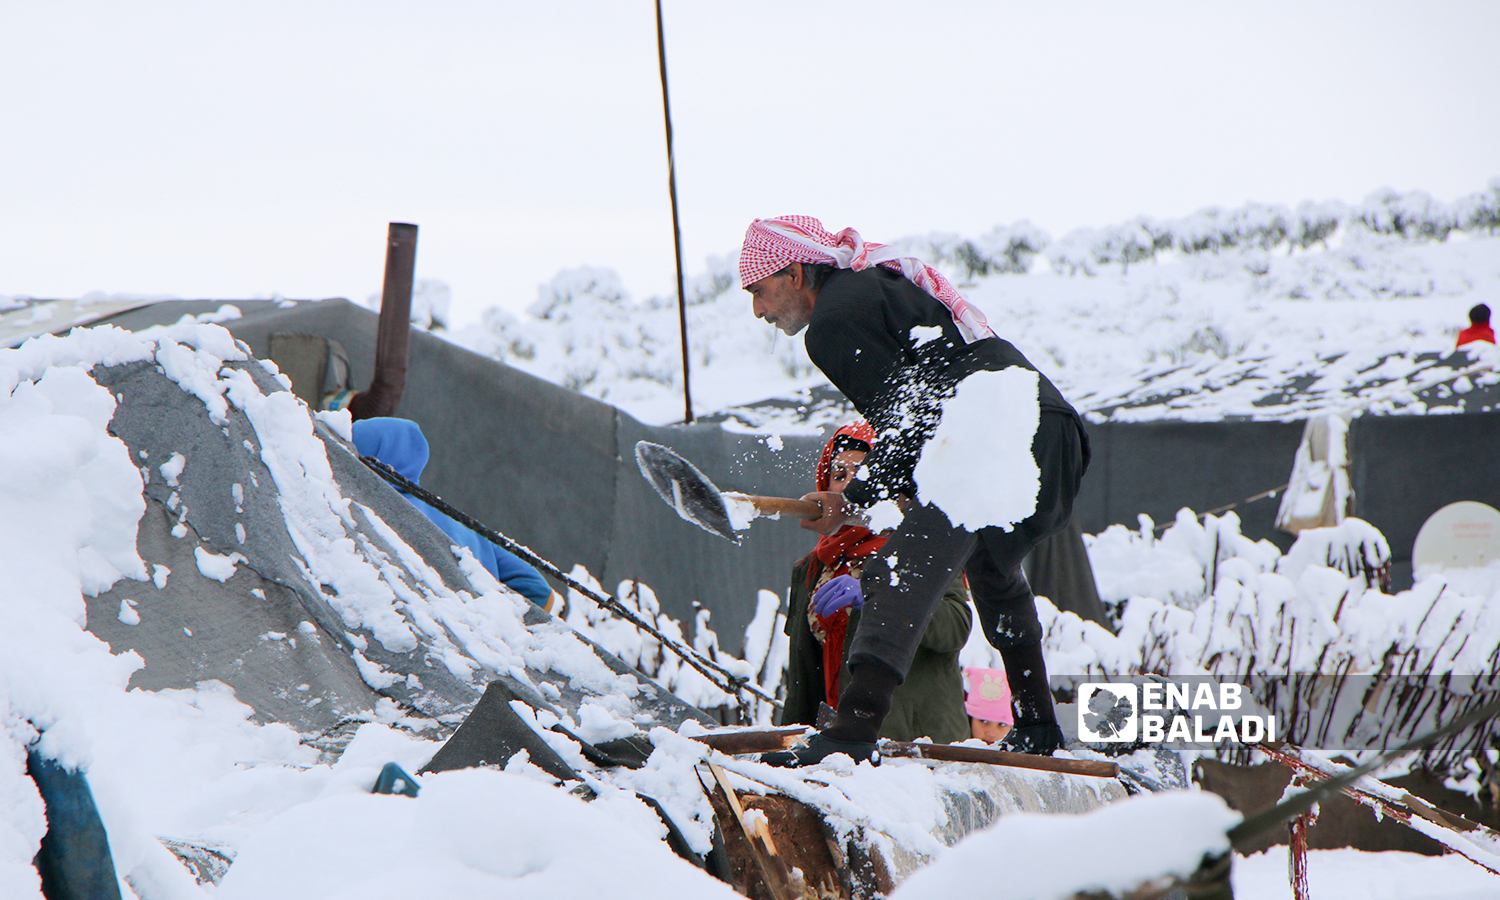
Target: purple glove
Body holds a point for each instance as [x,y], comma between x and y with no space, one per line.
[836,594]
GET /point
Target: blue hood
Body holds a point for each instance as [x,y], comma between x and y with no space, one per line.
[398,443]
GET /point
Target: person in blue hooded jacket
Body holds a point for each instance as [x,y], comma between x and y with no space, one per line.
[400,444]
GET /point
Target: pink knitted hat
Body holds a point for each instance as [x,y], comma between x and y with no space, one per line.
[989,695]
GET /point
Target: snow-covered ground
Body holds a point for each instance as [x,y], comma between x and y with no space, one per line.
[1098,310]
[193,765]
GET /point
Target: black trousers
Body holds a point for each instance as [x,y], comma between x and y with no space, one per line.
[928,551]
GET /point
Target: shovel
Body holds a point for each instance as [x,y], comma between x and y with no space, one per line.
[698,500]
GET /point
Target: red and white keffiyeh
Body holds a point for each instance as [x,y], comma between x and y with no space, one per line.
[773,244]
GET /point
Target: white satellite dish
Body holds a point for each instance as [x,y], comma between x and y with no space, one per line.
[1463,535]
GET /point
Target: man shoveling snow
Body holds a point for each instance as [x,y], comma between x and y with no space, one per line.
[981,449]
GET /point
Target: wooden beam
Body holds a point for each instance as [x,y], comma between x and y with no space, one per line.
[773,871]
[764,740]
[952,753]
[767,740]
[1451,830]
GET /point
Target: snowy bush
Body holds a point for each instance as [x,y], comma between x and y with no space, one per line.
[720,278]
[1341,664]
[1009,249]
[959,257]
[765,648]
[1354,547]
[579,292]
[1123,244]
[430,298]
[1259,225]
[1413,215]
[1207,230]
[1314,223]
[602,337]
[1074,253]
[1160,231]
[1479,211]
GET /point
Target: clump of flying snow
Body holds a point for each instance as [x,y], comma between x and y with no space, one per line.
[996,411]
[741,510]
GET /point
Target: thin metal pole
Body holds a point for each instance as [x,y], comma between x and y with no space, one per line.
[666,108]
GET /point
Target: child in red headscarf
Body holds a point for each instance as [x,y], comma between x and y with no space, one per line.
[930,703]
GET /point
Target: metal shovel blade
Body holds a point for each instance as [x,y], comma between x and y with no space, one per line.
[685,489]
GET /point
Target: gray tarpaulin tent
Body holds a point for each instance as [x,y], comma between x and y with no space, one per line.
[1403,469]
[268,630]
[1152,457]
[556,470]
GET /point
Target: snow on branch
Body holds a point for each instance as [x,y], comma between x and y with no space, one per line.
[1342,664]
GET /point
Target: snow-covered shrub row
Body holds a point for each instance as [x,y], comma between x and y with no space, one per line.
[1092,336]
[1003,249]
[765,648]
[1341,664]
[1412,216]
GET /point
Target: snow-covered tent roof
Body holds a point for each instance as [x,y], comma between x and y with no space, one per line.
[280,565]
[1293,387]
[555,470]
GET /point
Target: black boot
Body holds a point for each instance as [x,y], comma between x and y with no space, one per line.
[1036,728]
[1040,739]
[1030,691]
[863,706]
[820,746]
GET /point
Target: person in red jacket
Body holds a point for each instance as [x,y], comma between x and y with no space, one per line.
[1479,327]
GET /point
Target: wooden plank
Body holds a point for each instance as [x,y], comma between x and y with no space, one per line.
[773,872]
[1444,827]
[765,740]
[951,753]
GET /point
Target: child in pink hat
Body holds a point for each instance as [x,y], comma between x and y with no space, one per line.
[988,704]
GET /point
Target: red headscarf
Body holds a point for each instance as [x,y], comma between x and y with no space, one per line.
[773,244]
[849,545]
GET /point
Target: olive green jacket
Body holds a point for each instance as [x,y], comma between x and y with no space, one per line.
[931,701]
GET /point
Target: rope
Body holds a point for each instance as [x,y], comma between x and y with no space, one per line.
[1228,506]
[731,683]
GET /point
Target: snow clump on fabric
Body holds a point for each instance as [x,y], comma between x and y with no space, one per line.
[977,467]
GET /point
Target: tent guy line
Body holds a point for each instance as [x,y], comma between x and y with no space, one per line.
[732,684]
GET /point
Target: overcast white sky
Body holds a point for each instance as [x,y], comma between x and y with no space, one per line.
[238,149]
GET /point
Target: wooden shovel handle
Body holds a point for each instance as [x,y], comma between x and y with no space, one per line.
[773,506]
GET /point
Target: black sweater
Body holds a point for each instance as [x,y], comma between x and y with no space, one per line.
[860,336]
